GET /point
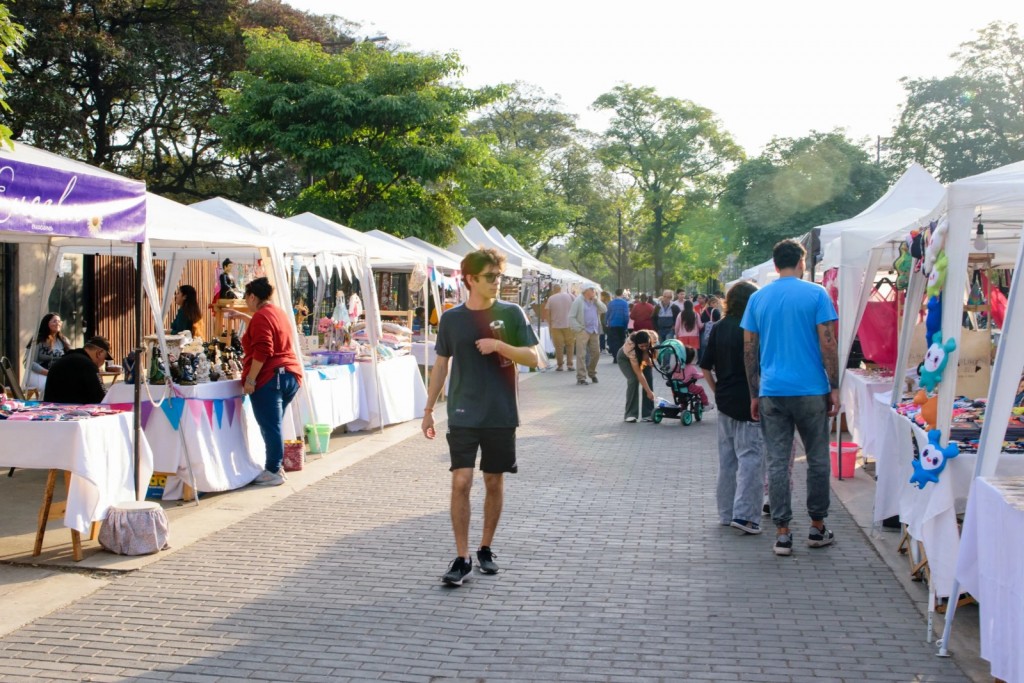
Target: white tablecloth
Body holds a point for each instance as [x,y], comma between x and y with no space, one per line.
[402,393]
[857,398]
[546,344]
[336,394]
[991,568]
[930,513]
[424,352]
[97,451]
[217,433]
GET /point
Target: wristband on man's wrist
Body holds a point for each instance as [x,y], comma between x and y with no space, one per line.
[428,410]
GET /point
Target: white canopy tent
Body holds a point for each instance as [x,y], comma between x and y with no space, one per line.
[852,245]
[53,201]
[473,237]
[996,200]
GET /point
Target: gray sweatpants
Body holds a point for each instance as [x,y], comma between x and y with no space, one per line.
[740,470]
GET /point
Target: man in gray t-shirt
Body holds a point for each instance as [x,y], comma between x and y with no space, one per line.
[483,340]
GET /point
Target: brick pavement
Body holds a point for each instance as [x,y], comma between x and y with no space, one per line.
[614,569]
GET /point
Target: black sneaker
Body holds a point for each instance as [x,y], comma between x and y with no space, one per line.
[485,560]
[819,538]
[783,544]
[766,510]
[593,380]
[458,570]
[582,381]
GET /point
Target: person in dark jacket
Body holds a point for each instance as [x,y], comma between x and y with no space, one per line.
[75,376]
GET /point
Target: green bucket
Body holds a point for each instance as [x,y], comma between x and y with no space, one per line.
[318,436]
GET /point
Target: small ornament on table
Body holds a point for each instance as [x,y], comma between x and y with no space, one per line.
[186,370]
[156,371]
[202,369]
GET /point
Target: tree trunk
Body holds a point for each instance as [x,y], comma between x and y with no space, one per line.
[658,244]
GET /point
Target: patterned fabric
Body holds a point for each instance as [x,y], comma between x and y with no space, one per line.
[135,529]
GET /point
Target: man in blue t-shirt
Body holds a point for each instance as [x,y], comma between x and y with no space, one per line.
[792,364]
[617,320]
[484,339]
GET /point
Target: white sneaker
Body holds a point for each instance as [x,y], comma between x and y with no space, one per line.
[268,478]
[631,418]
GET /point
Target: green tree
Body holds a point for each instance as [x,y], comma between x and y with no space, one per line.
[971,121]
[377,133]
[12,40]
[516,189]
[132,87]
[795,185]
[673,150]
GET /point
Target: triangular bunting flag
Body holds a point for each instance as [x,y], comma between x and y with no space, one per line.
[146,412]
[173,408]
[208,406]
[218,409]
[231,405]
[196,408]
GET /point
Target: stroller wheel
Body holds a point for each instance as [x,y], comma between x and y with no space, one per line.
[686,417]
[657,416]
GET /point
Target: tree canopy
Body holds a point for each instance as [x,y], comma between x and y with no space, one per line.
[12,39]
[798,184]
[675,153]
[971,121]
[376,134]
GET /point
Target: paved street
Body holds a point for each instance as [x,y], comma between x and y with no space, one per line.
[614,569]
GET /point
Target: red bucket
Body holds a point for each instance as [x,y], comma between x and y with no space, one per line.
[850,451]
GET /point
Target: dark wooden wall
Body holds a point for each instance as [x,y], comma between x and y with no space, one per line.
[115,298]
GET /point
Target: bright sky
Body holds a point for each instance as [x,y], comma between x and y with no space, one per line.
[765,68]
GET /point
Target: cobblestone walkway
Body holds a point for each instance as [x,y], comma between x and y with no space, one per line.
[614,569]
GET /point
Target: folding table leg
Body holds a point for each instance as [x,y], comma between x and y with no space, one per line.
[44,511]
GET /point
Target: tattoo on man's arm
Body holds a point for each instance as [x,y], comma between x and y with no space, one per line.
[752,362]
[830,354]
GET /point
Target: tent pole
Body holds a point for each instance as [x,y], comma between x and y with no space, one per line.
[137,408]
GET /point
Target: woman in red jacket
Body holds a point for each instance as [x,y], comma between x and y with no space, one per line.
[271,372]
[642,314]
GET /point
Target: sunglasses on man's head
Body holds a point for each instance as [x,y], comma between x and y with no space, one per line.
[490,277]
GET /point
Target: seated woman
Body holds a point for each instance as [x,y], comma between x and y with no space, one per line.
[190,315]
[51,344]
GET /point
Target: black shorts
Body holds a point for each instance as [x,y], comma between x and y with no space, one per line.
[497,448]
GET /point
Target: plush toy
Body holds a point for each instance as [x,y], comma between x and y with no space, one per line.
[935,362]
[933,321]
[937,276]
[936,245]
[932,460]
[916,242]
[929,407]
[902,267]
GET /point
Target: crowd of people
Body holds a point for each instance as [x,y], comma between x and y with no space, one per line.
[768,357]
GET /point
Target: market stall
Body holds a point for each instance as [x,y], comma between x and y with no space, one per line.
[52,201]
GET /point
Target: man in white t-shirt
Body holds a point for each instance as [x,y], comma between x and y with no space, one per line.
[556,311]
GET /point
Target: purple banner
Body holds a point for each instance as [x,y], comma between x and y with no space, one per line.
[46,201]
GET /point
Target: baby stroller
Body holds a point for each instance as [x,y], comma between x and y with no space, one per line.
[669,358]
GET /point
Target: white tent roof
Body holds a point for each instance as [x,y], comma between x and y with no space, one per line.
[473,237]
[529,261]
[382,254]
[441,258]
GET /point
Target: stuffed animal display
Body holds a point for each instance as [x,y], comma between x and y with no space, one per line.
[933,321]
[932,460]
[937,276]
[929,408]
[902,266]
[936,245]
[935,362]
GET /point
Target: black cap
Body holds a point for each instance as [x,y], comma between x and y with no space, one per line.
[102,343]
